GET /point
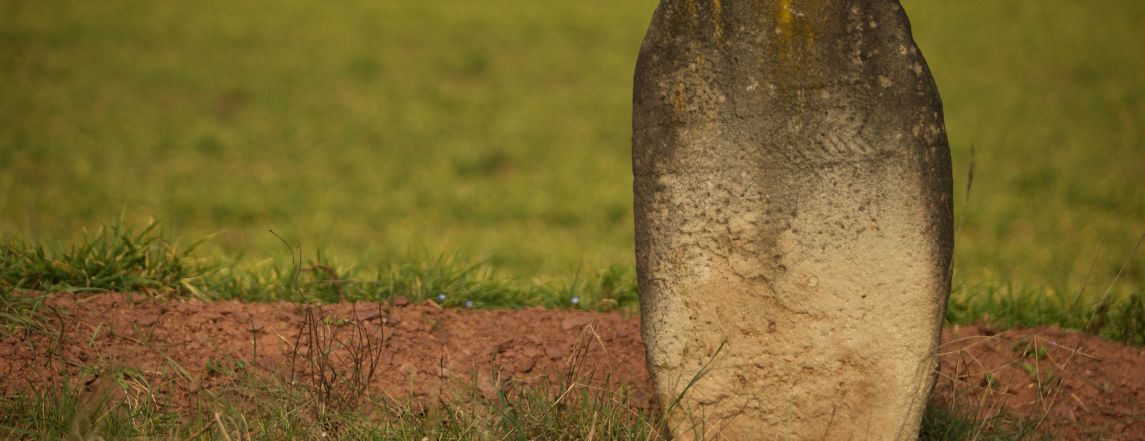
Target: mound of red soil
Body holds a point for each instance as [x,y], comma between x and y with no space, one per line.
[1084,386]
[421,347]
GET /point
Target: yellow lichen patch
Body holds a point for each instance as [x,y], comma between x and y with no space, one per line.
[783,13]
[792,43]
[687,19]
[684,18]
[690,12]
[797,21]
[718,21]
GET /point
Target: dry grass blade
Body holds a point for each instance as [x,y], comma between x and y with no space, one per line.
[1104,297]
[965,204]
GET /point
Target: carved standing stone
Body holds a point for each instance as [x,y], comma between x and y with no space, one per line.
[793,202]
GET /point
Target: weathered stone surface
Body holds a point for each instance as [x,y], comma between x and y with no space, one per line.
[793,203]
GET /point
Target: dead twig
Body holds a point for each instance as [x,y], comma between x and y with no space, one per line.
[333,275]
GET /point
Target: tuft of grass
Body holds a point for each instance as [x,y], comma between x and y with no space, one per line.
[451,281]
[18,312]
[962,420]
[114,258]
[120,257]
[961,416]
[1115,317]
[580,403]
[122,404]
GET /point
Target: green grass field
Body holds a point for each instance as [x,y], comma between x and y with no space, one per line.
[501,128]
[365,129]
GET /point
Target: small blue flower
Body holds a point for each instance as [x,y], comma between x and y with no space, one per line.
[441,296]
[469,304]
[575,300]
[1055,343]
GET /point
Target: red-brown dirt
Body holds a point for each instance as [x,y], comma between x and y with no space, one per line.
[1097,393]
[1085,387]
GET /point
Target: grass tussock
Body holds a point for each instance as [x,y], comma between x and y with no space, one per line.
[253,405]
[119,257]
[115,257]
[956,414]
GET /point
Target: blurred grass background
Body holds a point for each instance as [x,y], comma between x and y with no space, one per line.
[502,128]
